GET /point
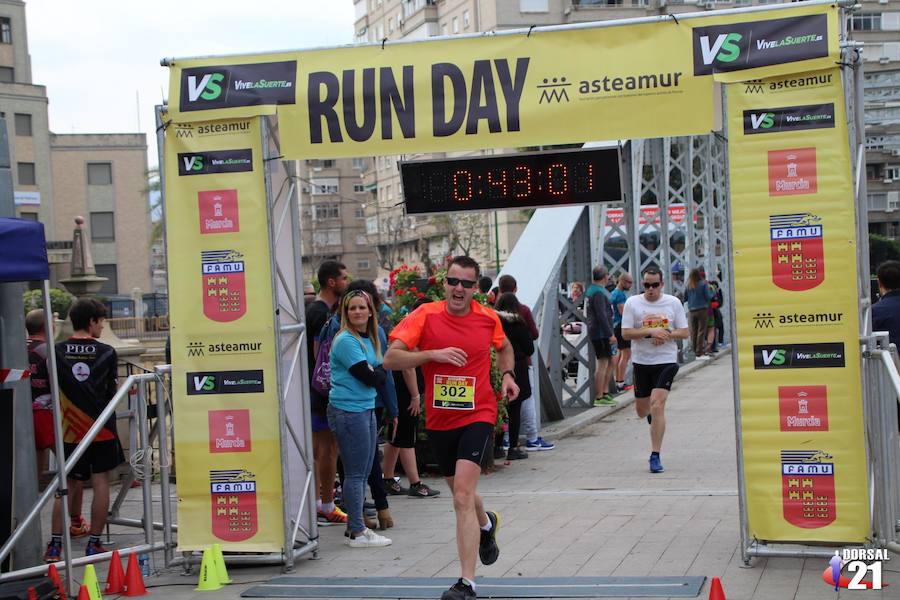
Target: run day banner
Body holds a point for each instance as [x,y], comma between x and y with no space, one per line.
[507,90]
[794,243]
[224,382]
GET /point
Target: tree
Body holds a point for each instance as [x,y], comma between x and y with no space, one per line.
[153,189]
[60,301]
[882,249]
[469,232]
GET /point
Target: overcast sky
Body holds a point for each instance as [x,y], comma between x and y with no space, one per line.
[96,57]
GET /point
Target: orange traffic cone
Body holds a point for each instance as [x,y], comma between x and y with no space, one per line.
[32,594]
[53,574]
[134,581]
[715,590]
[83,593]
[115,578]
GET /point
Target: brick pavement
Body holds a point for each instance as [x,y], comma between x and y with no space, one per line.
[591,508]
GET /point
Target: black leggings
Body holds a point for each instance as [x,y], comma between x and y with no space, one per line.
[514,412]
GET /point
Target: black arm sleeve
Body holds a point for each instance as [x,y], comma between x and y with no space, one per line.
[365,374]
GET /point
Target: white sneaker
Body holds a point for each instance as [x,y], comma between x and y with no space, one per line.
[367,539]
[704,357]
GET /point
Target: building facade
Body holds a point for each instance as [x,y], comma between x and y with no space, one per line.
[101,177]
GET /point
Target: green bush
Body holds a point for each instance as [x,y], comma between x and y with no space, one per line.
[60,301]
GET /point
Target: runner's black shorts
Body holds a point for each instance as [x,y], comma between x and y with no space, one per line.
[470,442]
[650,377]
[622,342]
[99,457]
[602,348]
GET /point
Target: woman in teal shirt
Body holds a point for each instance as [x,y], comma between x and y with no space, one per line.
[356,373]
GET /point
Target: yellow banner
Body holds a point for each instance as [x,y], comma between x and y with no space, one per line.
[224,380]
[550,87]
[795,250]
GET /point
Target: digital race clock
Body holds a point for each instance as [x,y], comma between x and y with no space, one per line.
[523,180]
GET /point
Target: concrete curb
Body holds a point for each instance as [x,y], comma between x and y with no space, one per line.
[570,425]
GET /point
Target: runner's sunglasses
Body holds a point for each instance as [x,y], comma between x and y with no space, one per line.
[466,283]
[654,284]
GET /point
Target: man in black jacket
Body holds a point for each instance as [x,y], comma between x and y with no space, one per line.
[886,312]
[600,330]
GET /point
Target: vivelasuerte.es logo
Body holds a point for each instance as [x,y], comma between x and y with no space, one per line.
[215,161]
[770,320]
[788,118]
[798,356]
[225,382]
[228,86]
[201,348]
[740,46]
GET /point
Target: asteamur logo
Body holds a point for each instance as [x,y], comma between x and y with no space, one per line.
[740,46]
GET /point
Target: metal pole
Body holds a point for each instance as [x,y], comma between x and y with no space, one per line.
[496,243]
[146,465]
[61,471]
[162,412]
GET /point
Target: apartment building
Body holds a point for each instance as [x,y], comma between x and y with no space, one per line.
[876,24]
[101,177]
[333,201]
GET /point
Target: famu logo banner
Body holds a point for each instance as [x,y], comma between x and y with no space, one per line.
[228,86]
[789,118]
[215,161]
[741,46]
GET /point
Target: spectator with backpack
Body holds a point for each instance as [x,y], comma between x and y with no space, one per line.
[333,281]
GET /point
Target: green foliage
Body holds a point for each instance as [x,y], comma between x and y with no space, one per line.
[60,301]
[882,249]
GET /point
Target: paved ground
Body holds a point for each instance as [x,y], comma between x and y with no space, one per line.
[589,508]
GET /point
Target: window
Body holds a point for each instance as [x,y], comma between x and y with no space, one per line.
[99,173]
[359,212]
[536,5]
[111,286]
[390,24]
[865,22]
[358,188]
[360,164]
[362,265]
[327,237]
[361,240]
[326,211]
[23,124]
[103,227]
[7,75]
[892,172]
[388,192]
[455,24]
[372,225]
[26,173]
[443,29]
[328,185]
[466,19]
[29,216]
[5,30]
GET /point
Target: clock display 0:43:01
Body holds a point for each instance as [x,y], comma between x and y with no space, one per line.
[512,181]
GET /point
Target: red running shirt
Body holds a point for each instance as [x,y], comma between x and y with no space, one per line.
[455,396]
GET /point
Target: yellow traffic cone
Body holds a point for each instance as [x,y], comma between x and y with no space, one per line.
[92,583]
[209,578]
[221,571]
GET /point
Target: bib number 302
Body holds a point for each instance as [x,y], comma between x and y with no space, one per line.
[454,392]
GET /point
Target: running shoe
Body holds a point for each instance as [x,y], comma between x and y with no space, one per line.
[394,488]
[488,550]
[420,490]
[367,539]
[459,591]
[605,400]
[516,454]
[93,548]
[79,527]
[53,552]
[655,464]
[539,444]
[335,517]
[621,387]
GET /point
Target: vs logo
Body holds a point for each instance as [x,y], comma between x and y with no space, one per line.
[762,120]
[725,48]
[215,161]
[193,162]
[208,87]
[774,358]
[204,383]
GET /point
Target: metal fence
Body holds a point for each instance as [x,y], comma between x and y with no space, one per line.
[153,328]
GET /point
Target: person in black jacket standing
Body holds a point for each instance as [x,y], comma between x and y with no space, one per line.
[600,330]
[519,335]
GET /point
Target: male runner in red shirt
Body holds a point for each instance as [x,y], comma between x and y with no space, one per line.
[451,341]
